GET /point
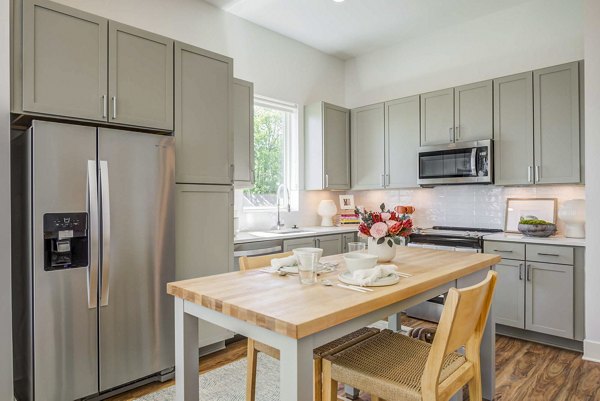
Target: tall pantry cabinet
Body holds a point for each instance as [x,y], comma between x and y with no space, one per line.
[204,169]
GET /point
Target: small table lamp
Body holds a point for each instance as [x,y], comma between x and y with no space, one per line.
[327,210]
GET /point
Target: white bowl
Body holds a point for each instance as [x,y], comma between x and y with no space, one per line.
[300,251]
[358,261]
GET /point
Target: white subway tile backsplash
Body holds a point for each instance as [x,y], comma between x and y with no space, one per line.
[465,205]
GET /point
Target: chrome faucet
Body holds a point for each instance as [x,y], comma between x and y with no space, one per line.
[286,191]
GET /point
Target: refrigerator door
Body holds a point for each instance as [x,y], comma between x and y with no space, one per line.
[137,188]
[65,326]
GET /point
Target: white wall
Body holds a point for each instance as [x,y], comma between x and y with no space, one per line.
[592,163]
[5,295]
[536,34]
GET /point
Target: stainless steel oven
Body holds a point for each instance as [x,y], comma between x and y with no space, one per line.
[456,163]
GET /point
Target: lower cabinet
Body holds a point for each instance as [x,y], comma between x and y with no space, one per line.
[204,241]
[331,244]
[346,239]
[509,298]
[291,244]
[549,303]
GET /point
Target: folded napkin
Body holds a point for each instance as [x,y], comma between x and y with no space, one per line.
[369,276]
[278,263]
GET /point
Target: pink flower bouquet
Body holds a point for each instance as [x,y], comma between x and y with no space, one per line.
[384,225]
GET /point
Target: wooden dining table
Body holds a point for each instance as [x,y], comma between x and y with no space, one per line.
[296,318]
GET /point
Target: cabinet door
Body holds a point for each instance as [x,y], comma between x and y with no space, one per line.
[437,117]
[368,143]
[204,245]
[203,118]
[473,112]
[140,70]
[243,133]
[336,146]
[513,129]
[331,244]
[402,127]
[556,116]
[64,61]
[291,244]
[346,239]
[509,297]
[549,294]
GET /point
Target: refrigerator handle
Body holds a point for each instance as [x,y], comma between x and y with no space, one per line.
[92,203]
[105,193]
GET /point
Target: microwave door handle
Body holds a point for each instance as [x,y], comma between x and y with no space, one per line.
[474,162]
[105,193]
[92,202]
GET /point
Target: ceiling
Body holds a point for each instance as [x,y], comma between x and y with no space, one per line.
[356,27]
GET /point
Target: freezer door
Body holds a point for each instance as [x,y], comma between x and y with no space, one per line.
[64,324]
[138,255]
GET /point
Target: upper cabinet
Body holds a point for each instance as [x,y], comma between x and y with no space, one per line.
[513,129]
[327,147]
[73,64]
[556,124]
[203,116]
[437,117]
[140,71]
[64,62]
[402,125]
[473,112]
[457,114]
[368,145]
[243,133]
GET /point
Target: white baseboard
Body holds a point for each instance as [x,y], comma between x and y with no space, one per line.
[591,351]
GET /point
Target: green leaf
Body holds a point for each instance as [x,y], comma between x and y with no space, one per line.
[397,240]
[382,207]
[380,240]
[390,243]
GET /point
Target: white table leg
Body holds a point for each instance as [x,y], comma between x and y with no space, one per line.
[395,322]
[186,354]
[296,370]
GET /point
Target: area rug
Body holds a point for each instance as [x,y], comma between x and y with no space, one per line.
[228,383]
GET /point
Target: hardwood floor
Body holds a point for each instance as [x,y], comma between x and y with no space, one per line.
[525,371]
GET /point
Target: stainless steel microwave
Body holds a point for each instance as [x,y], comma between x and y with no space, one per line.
[456,163]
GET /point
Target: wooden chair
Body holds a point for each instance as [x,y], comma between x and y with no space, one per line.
[254,347]
[395,367]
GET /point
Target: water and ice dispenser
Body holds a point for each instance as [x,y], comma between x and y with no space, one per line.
[65,240]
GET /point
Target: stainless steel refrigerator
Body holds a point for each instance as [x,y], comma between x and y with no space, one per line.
[93,245]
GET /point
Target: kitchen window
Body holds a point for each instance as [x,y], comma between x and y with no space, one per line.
[275,155]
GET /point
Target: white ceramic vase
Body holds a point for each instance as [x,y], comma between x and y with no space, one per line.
[384,252]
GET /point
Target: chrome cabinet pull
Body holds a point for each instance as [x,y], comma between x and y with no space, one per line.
[502,251]
[382,180]
[537,173]
[104,106]
[529,173]
[232,171]
[549,254]
[451,134]
[528,272]
[457,132]
[520,271]
[387,179]
[252,176]
[114,104]
[326,180]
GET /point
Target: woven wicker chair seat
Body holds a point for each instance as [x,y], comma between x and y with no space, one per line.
[389,365]
[326,349]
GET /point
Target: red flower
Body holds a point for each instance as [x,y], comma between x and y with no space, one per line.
[396,228]
[363,229]
[394,216]
[377,218]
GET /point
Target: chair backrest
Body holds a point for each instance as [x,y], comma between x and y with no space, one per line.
[256,262]
[462,324]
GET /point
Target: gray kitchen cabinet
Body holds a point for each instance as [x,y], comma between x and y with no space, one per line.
[549,303]
[203,117]
[326,147]
[368,144]
[291,244]
[437,117]
[204,240]
[140,70]
[513,129]
[509,297]
[243,133]
[402,133]
[473,112]
[331,244]
[346,239]
[61,67]
[556,124]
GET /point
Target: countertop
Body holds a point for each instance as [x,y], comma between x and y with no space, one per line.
[247,236]
[554,240]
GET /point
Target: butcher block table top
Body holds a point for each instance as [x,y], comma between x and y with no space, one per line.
[282,304]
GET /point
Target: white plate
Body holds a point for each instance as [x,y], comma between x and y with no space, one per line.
[346,278]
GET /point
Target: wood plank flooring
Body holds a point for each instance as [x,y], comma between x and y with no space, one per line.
[525,371]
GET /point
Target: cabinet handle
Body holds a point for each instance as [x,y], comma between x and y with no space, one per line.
[451,135]
[502,251]
[232,171]
[114,102]
[457,132]
[382,180]
[520,271]
[528,272]
[548,254]
[537,174]
[104,106]
[317,243]
[529,173]
[326,180]
[388,181]
[252,176]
